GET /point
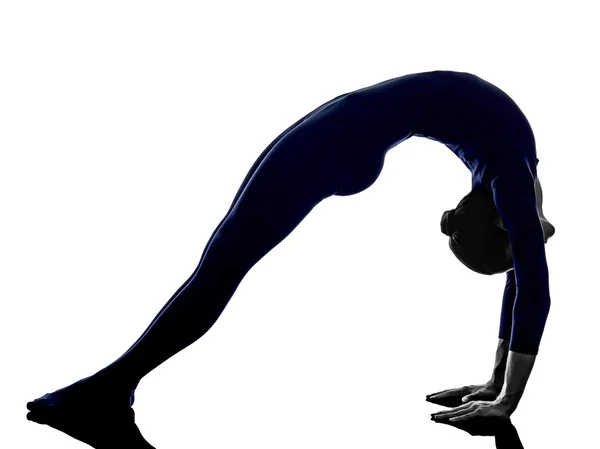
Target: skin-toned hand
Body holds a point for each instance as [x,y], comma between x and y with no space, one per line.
[476,417]
[458,396]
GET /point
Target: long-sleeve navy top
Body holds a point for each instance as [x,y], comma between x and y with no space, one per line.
[484,127]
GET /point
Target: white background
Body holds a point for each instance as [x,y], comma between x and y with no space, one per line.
[126,128]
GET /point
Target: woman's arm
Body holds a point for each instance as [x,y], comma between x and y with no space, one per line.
[515,198]
[518,369]
[508,302]
[499,372]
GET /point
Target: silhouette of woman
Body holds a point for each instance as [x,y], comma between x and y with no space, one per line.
[337,149]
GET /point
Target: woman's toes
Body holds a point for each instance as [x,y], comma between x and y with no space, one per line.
[39,403]
[36,417]
[35,405]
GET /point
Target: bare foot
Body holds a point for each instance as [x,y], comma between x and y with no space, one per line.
[93,389]
[92,414]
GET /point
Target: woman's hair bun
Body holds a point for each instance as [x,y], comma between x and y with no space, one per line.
[448,223]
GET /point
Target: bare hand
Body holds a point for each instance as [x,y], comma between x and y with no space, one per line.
[458,396]
[476,417]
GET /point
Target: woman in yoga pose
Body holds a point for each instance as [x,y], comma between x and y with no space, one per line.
[339,149]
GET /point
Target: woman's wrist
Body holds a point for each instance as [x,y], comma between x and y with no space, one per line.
[497,382]
[508,401]
[518,369]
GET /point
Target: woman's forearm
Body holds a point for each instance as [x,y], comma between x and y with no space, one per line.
[500,364]
[518,369]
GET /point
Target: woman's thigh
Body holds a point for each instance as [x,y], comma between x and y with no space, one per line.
[266,151]
[356,146]
[247,219]
[257,163]
[298,173]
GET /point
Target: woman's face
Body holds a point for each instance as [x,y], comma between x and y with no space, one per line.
[478,225]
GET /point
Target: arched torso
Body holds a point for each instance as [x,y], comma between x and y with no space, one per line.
[339,149]
[480,123]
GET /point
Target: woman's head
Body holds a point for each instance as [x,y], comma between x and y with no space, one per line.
[476,234]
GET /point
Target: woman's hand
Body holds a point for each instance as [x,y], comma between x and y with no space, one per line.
[457,396]
[477,417]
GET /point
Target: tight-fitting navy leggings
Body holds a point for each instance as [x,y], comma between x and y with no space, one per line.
[322,154]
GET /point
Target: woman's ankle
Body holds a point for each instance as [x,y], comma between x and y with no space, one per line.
[114,380]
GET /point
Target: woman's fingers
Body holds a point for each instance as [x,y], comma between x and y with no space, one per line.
[447,401]
[465,416]
[449,413]
[432,395]
[471,397]
[479,395]
[451,392]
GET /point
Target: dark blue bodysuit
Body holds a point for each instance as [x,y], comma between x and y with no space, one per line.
[486,129]
[339,149]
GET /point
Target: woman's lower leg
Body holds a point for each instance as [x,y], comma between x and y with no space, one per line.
[189,280]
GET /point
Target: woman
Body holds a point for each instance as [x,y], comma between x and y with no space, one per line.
[339,149]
